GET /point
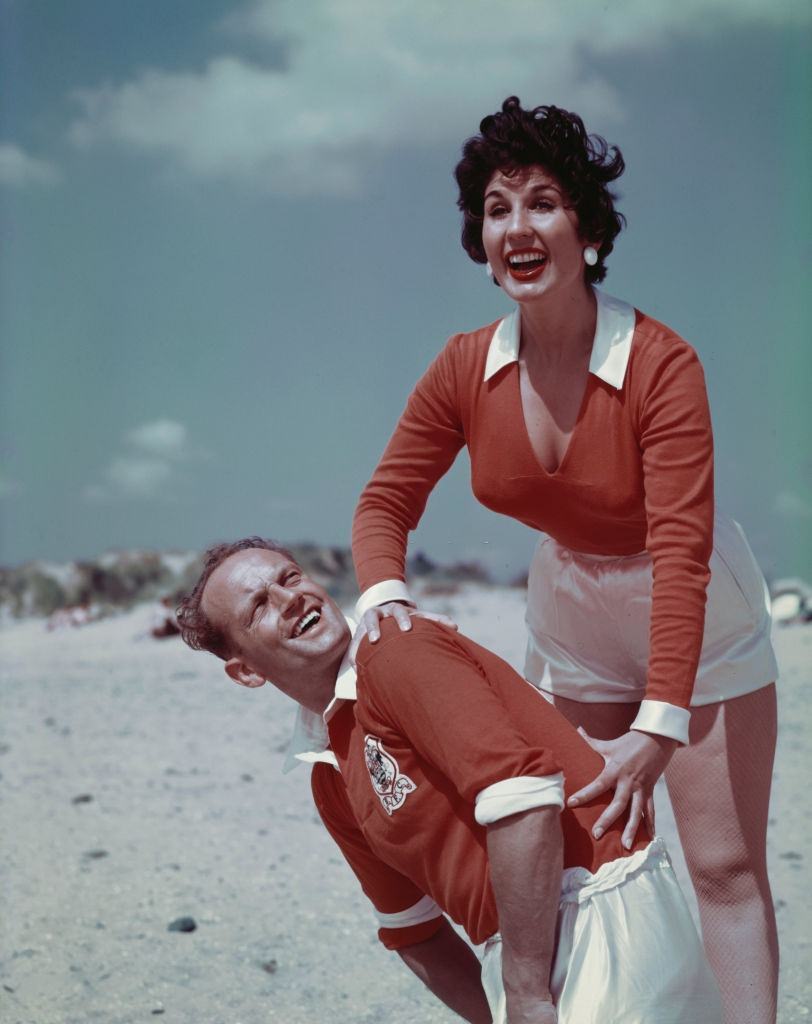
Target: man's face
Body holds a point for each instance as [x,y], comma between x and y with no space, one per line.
[280,624]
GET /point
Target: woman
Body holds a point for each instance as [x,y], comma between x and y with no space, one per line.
[588,420]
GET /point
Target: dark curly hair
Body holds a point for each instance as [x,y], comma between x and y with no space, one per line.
[196,628]
[556,140]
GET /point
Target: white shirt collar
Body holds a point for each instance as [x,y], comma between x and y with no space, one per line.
[310,741]
[611,347]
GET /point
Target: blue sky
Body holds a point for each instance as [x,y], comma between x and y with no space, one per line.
[230,247]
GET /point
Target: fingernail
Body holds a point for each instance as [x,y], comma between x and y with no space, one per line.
[627,844]
[573,801]
[374,637]
[597,833]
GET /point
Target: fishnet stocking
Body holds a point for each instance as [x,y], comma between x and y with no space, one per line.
[720,790]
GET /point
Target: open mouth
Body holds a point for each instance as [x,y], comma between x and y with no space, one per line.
[306,622]
[525,266]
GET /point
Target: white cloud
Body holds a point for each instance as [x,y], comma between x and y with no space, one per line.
[361,78]
[166,438]
[147,465]
[19,169]
[790,505]
[138,477]
[9,488]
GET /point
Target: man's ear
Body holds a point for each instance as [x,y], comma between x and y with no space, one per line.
[242,674]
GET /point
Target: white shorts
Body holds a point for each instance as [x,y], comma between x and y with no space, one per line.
[588,622]
[627,949]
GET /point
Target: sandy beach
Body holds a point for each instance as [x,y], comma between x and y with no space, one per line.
[140,787]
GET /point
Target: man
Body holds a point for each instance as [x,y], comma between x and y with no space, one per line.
[444,788]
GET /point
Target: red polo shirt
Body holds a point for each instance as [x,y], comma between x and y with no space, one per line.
[439,719]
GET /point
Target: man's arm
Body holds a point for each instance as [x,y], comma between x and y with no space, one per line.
[526,854]
[448,967]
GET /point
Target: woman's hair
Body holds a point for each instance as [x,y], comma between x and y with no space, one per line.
[556,140]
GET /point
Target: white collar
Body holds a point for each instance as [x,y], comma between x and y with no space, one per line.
[310,741]
[611,347]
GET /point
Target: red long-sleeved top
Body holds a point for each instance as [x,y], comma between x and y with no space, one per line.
[637,474]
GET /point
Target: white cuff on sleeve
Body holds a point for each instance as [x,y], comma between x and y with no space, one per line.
[663,719]
[386,590]
[424,910]
[512,796]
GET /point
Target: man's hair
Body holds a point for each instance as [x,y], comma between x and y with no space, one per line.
[196,628]
[513,139]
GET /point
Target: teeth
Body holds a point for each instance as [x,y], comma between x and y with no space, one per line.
[526,257]
[305,622]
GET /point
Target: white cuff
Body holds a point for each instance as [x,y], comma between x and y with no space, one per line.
[512,796]
[386,590]
[663,719]
[424,910]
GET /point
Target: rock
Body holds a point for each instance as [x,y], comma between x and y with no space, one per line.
[270,966]
[95,854]
[83,798]
[183,924]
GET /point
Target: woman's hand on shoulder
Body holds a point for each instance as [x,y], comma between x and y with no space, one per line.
[634,762]
[370,624]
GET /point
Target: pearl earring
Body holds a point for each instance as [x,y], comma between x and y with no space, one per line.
[489,270]
[590,256]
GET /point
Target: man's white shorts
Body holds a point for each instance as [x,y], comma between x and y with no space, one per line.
[627,949]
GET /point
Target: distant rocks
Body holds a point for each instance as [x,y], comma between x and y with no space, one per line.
[74,593]
[82,798]
[182,924]
[115,580]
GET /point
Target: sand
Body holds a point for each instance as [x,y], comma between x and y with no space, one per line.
[140,786]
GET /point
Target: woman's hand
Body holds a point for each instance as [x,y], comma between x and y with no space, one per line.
[634,762]
[402,613]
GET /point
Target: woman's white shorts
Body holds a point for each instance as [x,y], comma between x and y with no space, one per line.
[588,622]
[627,949]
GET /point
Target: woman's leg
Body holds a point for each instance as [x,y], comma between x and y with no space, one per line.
[601,721]
[720,790]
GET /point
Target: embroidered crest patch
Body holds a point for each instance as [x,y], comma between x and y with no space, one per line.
[391,785]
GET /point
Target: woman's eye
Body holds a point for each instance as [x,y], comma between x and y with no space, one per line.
[496,211]
[543,204]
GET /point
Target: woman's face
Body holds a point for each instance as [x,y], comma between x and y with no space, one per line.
[531,238]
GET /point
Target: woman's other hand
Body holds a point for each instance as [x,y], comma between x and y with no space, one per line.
[402,613]
[634,762]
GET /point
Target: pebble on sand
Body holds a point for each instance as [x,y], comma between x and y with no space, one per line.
[182,924]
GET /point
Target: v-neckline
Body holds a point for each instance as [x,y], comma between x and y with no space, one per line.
[581,409]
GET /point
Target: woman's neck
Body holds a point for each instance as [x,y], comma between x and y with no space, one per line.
[559,328]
